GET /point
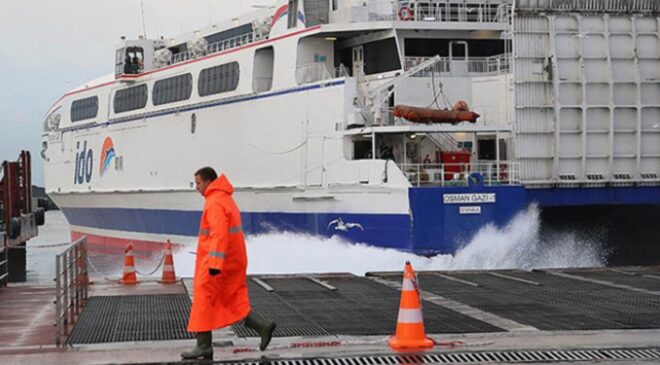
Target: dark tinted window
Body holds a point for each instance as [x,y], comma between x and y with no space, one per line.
[130,99]
[381,56]
[86,108]
[218,79]
[173,89]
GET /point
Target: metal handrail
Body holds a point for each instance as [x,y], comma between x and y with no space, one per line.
[431,11]
[71,287]
[458,174]
[4,260]
[312,72]
[497,64]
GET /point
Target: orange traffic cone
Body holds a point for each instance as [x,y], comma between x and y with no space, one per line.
[169,277]
[128,276]
[410,334]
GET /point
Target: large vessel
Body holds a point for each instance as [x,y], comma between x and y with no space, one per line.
[303,106]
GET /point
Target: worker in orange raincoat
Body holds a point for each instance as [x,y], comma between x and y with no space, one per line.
[220,294]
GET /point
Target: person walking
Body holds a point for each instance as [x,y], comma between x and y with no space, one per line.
[220,294]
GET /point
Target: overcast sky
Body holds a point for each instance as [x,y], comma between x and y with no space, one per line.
[50,47]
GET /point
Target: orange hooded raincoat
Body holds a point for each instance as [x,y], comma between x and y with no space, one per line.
[219,300]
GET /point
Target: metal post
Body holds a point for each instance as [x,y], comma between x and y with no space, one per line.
[65,295]
[58,304]
[86,278]
[71,289]
[442,174]
[419,172]
[76,275]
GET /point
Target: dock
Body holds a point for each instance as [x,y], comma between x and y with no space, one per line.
[506,316]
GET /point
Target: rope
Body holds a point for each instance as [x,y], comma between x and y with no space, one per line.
[91,264]
[162,259]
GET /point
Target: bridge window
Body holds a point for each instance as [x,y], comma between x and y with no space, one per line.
[172,89]
[133,98]
[83,109]
[218,79]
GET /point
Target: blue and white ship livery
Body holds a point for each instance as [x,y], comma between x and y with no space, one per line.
[294,104]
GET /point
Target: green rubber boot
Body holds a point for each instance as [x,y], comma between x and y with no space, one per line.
[263,326]
[203,350]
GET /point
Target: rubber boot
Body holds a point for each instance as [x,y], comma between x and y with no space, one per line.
[203,350]
[263,326]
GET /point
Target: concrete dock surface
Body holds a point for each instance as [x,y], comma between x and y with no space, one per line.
[508,316]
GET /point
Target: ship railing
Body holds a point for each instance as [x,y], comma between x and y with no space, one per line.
[312,72]
[488,173]
[233,42]
[493,65]
[229,43]
[486,11]
[71,281]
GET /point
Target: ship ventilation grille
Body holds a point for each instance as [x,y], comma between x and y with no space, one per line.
[491,357]
[649,176]
[596,177]
[622,176]
[567,177]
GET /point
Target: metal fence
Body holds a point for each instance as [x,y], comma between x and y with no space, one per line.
[71,281]
[4,261]
[462,174]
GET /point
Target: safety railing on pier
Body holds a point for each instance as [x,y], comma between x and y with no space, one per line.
[462,174]
[71,281]
[4,260]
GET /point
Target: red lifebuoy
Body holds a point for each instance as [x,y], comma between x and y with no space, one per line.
[405,13]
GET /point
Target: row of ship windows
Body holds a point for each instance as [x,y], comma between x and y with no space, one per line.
[213,80]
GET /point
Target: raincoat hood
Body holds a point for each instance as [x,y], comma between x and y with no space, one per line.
[219,184]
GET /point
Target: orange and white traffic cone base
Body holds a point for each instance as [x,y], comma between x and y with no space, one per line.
[128,275]
[410,334]
[169,276]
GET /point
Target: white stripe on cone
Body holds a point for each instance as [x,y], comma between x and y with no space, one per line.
[168,267]
[410,316]
[128,269]
[408,285]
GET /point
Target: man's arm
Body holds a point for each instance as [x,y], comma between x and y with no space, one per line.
[219,237]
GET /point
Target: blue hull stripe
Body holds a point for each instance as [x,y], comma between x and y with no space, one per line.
[432,227]
[385,230]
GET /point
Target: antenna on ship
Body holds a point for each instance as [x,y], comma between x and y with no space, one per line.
[144,26]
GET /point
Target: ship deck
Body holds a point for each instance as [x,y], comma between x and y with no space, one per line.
[551,316]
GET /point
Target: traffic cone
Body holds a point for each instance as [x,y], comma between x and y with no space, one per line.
[410,334]
[128,276]
[169,277]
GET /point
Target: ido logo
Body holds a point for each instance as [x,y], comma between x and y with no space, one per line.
[84,164]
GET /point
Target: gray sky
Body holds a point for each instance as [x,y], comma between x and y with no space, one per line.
[50,47]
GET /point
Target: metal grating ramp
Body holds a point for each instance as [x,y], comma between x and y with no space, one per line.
[486,357]
[358,307]
[133,318]
[557,303]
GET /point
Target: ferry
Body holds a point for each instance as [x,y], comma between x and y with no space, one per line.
[343,118]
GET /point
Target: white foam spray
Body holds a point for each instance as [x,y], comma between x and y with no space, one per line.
[519,245]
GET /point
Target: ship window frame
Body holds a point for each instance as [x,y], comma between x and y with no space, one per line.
[172,89]
[134,99]
[84,109]
[218,79]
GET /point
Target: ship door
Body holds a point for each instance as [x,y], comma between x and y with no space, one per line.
[358,61]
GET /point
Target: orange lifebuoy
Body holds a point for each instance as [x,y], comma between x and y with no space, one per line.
[405,13]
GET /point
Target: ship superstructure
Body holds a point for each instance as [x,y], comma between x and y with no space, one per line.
[297,105]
